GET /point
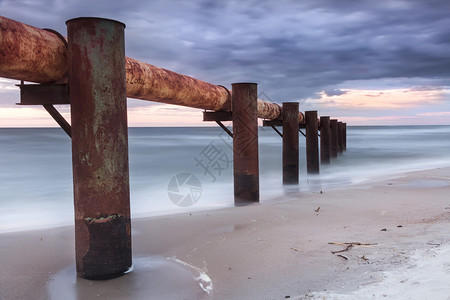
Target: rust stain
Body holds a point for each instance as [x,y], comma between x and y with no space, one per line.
[31,54]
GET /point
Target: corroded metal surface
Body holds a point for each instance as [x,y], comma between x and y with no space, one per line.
[290,143]
[340,140]
[31,54]
[312,142]
[344,136]
[147,82]
[245,143]
[99,147]
[325,140]
[333,137]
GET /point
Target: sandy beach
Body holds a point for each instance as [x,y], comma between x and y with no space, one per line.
[393,236]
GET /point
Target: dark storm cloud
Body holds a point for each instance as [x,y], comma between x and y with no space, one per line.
[293,49]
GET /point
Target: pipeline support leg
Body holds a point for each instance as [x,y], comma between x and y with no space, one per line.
[312,142]
[339,138]
[245,143]
[99,147]
[344,136]
[290,142]
[325,140]
[334,137]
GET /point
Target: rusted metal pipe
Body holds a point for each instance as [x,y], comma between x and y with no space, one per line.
[245,143]
[32,54]
[99,147]
[290,143]
[312,142]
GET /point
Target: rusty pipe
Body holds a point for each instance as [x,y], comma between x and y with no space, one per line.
[31,54]
[37,55]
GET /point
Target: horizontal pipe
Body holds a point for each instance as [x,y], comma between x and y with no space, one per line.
[32,54]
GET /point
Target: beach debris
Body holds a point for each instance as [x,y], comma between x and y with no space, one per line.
[384,229]
[287,297]
[433,244]
[295,249]
[364,258]
[317,210]
[348,246]
[346,249]
[359,244]
[343,256]
[399,226]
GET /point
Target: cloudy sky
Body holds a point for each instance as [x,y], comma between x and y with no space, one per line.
[371,62]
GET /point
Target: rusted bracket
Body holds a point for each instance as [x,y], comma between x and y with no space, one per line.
[47,95]
[59,119]
[302,133]
[273,123]
[225,128]
[218,117]
[42,94]
[276,130]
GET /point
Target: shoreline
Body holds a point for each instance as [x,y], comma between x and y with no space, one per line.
[266,251]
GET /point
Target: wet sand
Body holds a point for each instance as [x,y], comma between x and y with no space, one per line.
[275,250]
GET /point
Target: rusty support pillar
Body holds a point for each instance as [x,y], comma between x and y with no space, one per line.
[99,147]
[325,140]
[290,142]
[245,143]
[339,138]
[312,142]
[344,136]
[333,138]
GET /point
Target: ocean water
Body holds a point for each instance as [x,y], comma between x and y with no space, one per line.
[176,170]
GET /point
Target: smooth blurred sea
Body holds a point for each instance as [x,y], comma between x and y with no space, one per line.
[36,171]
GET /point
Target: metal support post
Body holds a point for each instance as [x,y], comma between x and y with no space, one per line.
[339,138]
[325,140]
[334,137]
[245,143]
[344,136]
[312,142]
[99,147]
[290,142]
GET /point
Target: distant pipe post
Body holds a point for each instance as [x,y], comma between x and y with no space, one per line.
[344,136]
[290,143]
[245,143]
[333,138]
[325,140]
[312,142]
[339,138]
[99,147]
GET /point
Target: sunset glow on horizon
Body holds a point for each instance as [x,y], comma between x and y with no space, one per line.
[345,60]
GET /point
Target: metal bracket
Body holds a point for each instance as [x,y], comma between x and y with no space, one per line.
[276,130]
[225,128]
[218,117]
[302,132]
[47,95]
[59,119]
